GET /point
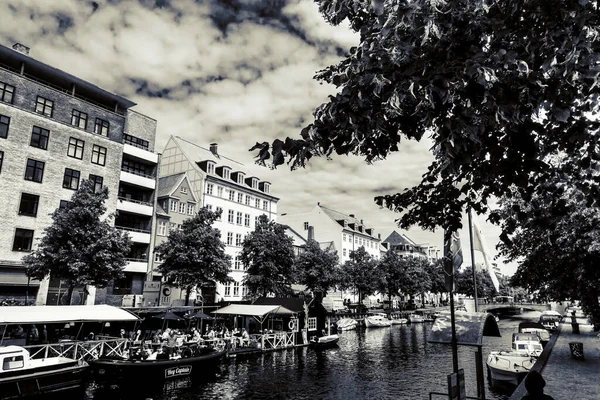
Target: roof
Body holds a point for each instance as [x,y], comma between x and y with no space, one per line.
[253,310]
[338,216]
[49,314]
[161,211]
[470,328]
[294,304]
[168,184]
[398,239]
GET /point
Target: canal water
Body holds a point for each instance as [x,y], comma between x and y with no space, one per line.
[380,363]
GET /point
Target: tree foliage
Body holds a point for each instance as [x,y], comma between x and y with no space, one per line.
[499,86]
[81,247]
[316,268]
[416,279]
[390,271]
[435,271]
[359,274]
[195,254]
[268,255]
[464,283]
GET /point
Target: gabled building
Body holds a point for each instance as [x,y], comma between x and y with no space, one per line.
[224,185]
[404,246]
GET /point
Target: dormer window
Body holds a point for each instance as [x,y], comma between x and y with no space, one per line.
[267,188]
[226,172]
[240,178]
[254,183]
[210,168]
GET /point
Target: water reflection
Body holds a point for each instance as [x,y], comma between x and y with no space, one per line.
[381,363]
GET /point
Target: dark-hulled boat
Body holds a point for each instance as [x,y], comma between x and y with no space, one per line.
[124,371]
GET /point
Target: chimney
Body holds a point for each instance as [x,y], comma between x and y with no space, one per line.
[361,222]
[379,236]
[213,149]
[21,48]
[311,233]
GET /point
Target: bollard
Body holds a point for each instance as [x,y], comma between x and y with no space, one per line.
[576,350]
[575,327]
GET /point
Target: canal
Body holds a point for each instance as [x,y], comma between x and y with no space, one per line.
[380,363]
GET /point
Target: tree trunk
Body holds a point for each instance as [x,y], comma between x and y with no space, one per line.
[70,295]
[187,295]
[389,303]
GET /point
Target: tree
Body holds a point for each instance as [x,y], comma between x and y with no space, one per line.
[499,86]
[316,268]
[358,274]
[416,279]
[390,271]
[464,283]
[81,247]
[435,271]
[268,255]
[195,255]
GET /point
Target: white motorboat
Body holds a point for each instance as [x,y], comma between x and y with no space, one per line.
[528,343]
[346,324]
[537,329]
[377,321]
[399,321]
[509,366]
[416,318]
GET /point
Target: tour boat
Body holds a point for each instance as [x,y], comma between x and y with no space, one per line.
[528,343]
[537,329]
[22,376]
[324,342]
[509,366]
[130,371]
[377,321]
[346,324]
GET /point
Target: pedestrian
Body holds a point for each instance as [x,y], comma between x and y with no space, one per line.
[535,383]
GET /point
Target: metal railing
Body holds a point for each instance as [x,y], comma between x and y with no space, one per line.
[127,228]
[134,172]
[145,203]
[89,350]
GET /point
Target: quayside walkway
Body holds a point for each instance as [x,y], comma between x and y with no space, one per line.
[567,377]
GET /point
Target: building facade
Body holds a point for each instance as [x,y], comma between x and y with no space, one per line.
[224,185]
[55,130]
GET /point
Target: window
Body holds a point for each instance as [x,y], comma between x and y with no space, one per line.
[238,239]
[172,226]
[248,199]
[267,188]
[236,288]
[101,127]
[134,168]
[265,205]
[209,207]
[29,204]
[306,226]
[174,205]
[226,173]
[344,237]
[44,106]
[219,211]
[230,217]
[157,258]
[210,168]
[231,195]
[240,179]
[244,291]
[312,324]
[34,171]
[75,148]
[240,198]
[98,181]
[237,263]
[238,219]
[219,191]
[344,252]
[182,208]
[227,290]
[257,203]
[64,204]
[256,220]
[71,179]
[209,188]
[162,228]
[190,209]
[1,159]
[254,183]
[98,155]
[183,190]
[79,119]
[14,362]
[39,138]
[23,240]
[4,123]
[6,92]
[246,219]
[230,238]
[135,141]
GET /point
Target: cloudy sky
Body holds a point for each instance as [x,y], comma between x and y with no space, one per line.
[228,71]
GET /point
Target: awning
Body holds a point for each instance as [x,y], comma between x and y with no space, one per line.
[50,314]
[470,328]
[254,310]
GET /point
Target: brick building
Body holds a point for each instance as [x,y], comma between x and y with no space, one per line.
[56,129]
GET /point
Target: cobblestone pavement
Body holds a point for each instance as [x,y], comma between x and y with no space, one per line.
[566,377]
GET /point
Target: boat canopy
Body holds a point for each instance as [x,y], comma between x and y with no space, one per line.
[470,328]
[259,312]
[10,315]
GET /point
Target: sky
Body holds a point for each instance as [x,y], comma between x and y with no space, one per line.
[233,72]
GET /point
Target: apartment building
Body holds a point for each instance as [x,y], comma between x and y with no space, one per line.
[406,247]
[55,130]
[220,184]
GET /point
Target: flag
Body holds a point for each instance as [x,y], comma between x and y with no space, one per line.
[479,245]
[453,257]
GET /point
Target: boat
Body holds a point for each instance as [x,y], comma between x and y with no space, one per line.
[23,376]
[551,313]
[346,324]
[399,321]
[416,318]
[124,371]
[509,366]
[537,329]
[324,342]
[528,343]
[378,320]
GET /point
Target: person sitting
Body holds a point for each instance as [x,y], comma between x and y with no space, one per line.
[245,338]
[166,334]
[196,335]
[157,338]
[535,383]
[172,344]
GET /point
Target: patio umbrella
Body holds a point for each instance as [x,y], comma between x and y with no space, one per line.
[200,316]
[168,316]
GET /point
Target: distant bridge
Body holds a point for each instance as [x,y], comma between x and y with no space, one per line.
[511,308]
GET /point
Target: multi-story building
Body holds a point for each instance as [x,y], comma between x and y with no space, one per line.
[56,129]
[220,184]
[404,246]
[345,232]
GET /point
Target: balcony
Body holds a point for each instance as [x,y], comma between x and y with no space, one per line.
[138,179]
[135,206]
[136,235]
[139,265]
[140,153]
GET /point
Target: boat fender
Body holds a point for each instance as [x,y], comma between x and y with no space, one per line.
[292,324]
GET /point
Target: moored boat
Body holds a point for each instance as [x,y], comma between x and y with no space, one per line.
[509,366]
[346,324]
[528,343]
[398,321]
[537,329]
[22,376]
[324,342]
[377,321]
[416,318]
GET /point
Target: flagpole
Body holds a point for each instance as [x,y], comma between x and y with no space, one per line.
[449,258]
[473,259]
